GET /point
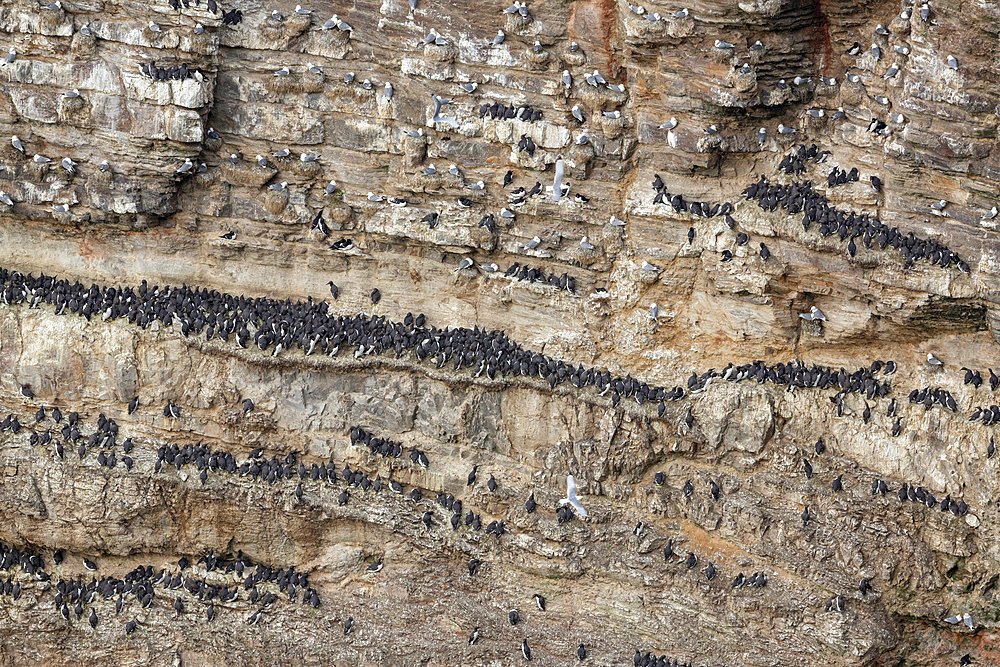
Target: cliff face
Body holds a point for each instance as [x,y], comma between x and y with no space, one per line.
[928,132]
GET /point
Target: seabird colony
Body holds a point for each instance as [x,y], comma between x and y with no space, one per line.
[278,327]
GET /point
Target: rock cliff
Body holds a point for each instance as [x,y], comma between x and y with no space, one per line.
[839,512]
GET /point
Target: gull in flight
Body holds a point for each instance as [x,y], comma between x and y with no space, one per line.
[558,179]
[437,118]
[571,497]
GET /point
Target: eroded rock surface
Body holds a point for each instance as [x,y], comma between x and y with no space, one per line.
[607,583]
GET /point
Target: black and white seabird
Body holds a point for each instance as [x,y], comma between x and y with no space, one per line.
[529,504]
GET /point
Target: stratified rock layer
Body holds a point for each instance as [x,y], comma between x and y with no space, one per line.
[607,583]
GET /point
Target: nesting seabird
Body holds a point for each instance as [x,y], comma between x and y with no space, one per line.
[814,314]
[529,504]
[341,25]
